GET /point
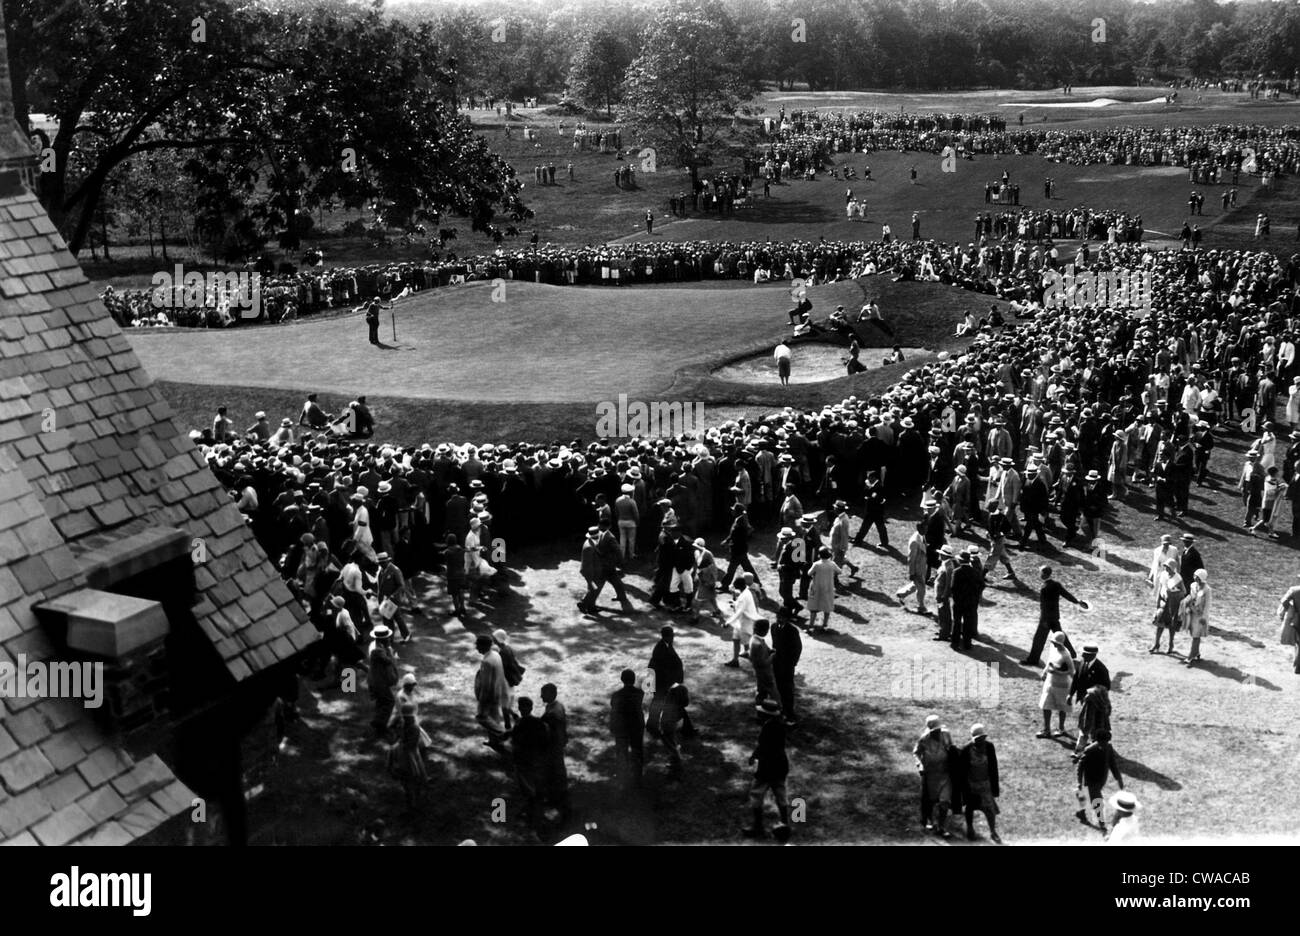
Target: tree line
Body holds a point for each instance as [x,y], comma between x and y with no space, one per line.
[225,122]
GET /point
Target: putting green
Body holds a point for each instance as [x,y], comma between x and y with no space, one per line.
[542,344]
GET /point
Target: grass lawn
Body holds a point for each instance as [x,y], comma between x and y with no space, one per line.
[535,365]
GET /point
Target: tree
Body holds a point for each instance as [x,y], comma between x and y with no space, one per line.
[599,63]
[278,102]
[682,90]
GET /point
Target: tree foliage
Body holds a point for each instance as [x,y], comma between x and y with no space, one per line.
[682,89]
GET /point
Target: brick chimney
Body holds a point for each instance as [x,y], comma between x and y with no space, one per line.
[16,154]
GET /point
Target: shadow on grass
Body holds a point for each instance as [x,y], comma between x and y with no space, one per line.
[1136,770]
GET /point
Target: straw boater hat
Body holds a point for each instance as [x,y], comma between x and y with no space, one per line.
[1125,803]
[381,632]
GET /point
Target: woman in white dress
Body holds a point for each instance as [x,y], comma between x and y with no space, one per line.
[1057,676]
[1293,403]
[1197,606]
[1268,447]
[476,568]
[744,612]
[361,532]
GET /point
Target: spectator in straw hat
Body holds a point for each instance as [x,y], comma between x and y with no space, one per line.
[627,517]
[284,435]
[391,590]
[382,678]
[706,581]
[978,782]
[771,770]
[788,566]
[917,569]
[840,538]
[1124,824]
[1169,600]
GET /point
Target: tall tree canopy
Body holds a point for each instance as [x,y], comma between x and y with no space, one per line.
[683,88]
[288,108]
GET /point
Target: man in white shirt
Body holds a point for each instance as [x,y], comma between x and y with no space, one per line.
[782,357]
[1167,550]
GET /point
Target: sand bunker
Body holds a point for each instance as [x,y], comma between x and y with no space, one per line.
[809,363]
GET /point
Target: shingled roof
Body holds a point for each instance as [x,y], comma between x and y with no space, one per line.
[96,441]
[89,455]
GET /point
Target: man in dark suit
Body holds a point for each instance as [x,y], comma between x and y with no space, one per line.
[1091,672]
[1049,614]
[627,725]
[936,532]
[668,670]
[1191,560]
[787,647]
[1035,501]
[873,511]
[456,513]
[773,766]
[529,741]
[966,582]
